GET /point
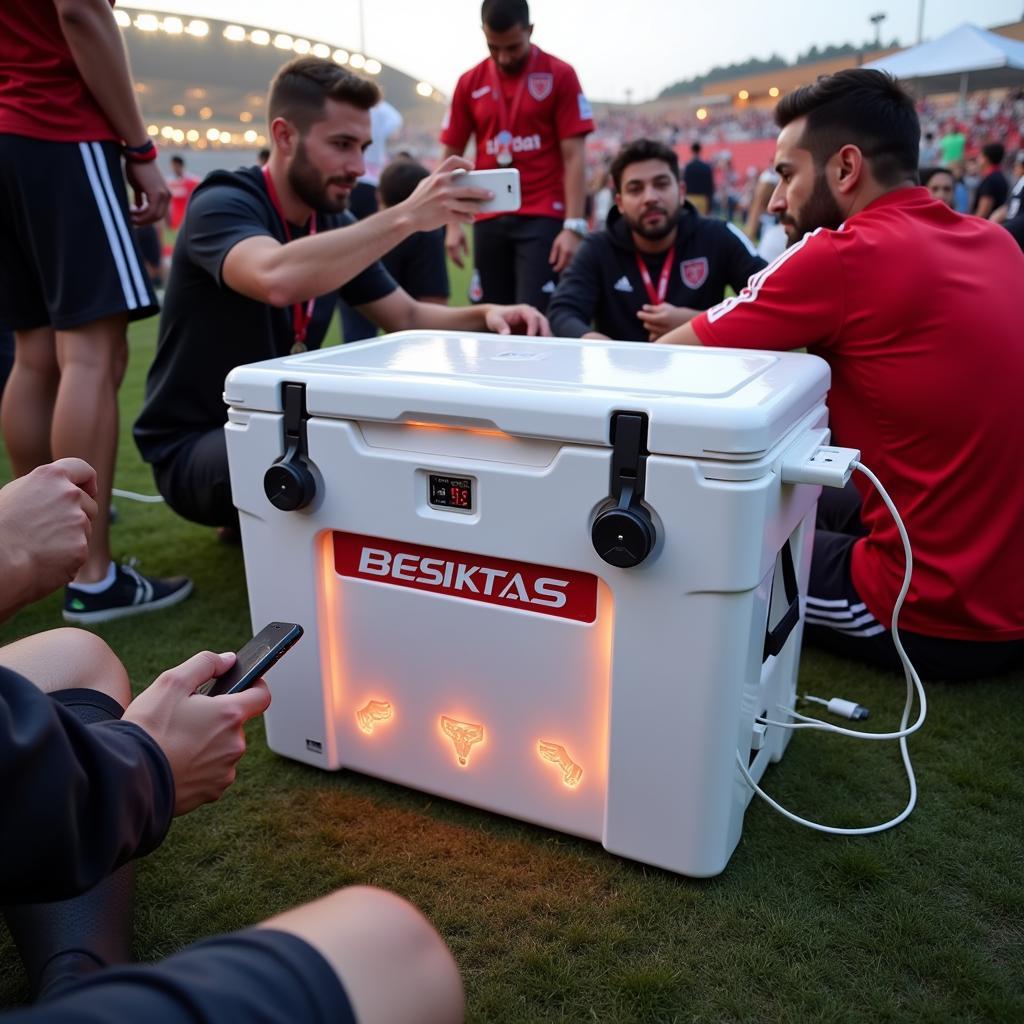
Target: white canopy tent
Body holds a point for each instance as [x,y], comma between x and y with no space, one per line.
[965,58]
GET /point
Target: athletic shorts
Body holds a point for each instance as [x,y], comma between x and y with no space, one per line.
[260,976]
[67,254]
[510,256]
[837,620]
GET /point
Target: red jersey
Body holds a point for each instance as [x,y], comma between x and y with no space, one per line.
[917,312]
[42,94]
[537,108]
[180,189]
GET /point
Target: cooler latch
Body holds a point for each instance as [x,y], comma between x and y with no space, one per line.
[289,484]
[624,535]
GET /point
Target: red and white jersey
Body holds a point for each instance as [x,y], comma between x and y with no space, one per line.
[544,104]
[917,311]
[180,189]
[42,93]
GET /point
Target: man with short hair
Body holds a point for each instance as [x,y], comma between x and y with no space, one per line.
[915,309]
[526,110]
[70,274]
[940,184]
[994,188]
[181,186]
[658,261]
[699,179]
[258,266]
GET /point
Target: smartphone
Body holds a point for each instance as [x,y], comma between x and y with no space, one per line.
[503,182]
[256,657]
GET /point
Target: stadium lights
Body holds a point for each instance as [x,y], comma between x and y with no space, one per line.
[213,135]
[302,46]
[192,135]
[205,113]
[743,94]
[373,67]
[178,110]
[147,23]
[259,36]
[250,136]
[340,56]
[773,91]
[152,129]
[122,18]
[196,93]
[197,28]
[702,114]
[225,136]
[357,60]
[172,26]
[167,132]
[245,117]
[321,50]
[179,136]
[283,41]
[234,33]
[425,89]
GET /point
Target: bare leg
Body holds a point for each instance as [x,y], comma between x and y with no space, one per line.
[31,391]
[393,965]
[92,359]
[63,659]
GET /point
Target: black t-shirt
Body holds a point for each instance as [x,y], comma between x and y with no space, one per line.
[418,264]
[995,185]
[698,178]
[207,329]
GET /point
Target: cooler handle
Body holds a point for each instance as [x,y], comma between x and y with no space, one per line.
[775,639]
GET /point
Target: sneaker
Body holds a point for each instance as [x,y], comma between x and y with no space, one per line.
[131,593]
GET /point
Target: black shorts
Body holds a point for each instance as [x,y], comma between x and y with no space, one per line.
[67,254]
[256,975]
[195,482]
[511,255]
[837,620]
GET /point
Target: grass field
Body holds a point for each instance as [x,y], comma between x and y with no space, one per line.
[921,924]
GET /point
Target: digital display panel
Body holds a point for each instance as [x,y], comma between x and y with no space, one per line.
[454,492]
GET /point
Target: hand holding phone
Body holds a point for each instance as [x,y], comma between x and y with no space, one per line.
[503,182]
[259,655]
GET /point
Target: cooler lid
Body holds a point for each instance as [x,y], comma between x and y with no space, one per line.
[724,403]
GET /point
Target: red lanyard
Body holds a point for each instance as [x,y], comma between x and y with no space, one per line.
[301,314]
[657,297]
[507,119]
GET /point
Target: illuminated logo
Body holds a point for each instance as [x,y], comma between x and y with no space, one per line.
[522,585]
[464,735]
[694,272]
[371,714]
[557,754]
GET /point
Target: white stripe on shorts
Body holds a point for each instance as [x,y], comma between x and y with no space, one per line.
[840,615]
[103,207]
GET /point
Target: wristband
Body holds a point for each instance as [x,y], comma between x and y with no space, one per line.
[140,154]
[577,225]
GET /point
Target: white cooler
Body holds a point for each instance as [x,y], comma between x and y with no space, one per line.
[463,634]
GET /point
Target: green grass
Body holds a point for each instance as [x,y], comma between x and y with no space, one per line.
[921,924]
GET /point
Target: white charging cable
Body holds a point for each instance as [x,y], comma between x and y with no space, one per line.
[914,685]
[148,499]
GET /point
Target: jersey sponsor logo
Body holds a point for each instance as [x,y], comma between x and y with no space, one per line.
[525,586]
[694,272]
[586,114]
[476,290]
[623,285]
[540,84]
[518,144]
[482,91]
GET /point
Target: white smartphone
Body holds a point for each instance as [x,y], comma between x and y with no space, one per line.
[503,182]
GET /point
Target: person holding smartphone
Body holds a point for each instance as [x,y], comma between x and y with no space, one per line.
[92,780]
[260,260]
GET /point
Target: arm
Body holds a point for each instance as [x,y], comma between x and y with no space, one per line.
[98,50]
[984,207]
[45,523]
[567,242]
[456,246]
[684,335]
[398,311]
[262,268]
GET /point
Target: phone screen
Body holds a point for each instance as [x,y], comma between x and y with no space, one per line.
[255,658]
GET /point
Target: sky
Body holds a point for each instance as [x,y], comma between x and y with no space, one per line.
[621,51]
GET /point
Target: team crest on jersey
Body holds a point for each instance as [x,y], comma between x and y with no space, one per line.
[694,272]
[540,84]
[476,291]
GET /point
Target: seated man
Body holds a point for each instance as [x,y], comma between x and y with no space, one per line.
[258,266]
[915,309]
[653,235]
[91,780]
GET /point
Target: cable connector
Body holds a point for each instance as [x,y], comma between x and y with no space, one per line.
[844,708]
[822,464]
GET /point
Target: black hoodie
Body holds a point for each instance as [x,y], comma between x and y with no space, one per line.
[207,329]
[603,285]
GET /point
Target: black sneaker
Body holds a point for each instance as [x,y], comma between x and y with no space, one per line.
[131,593]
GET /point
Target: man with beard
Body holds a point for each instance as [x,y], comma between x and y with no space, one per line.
[258,266]
[914,307]
[658,261]
[526,110]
